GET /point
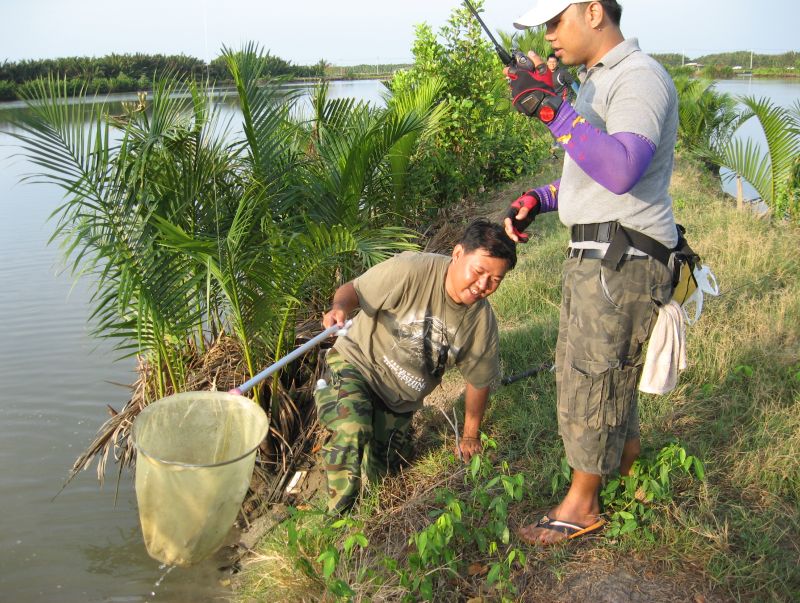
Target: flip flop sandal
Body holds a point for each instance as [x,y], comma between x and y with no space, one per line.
[570,530]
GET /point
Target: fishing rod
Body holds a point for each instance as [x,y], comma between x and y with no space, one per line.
[542,368]
[514,58]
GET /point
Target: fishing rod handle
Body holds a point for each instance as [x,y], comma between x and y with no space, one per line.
[519,58]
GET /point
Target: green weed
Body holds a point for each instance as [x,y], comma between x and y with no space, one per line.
[629,501]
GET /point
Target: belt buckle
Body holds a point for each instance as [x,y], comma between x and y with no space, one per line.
[604,232]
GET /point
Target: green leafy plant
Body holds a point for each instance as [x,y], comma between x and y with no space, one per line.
[336,541]
[629,500]
[468,530]
[193,233]
[562,477]
[482,139]
[475,519]
[707,119]
[775,171]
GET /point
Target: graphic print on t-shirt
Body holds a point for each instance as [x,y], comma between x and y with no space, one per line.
[420,350]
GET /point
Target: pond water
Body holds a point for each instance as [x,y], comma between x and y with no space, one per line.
[784,93]
[56,382]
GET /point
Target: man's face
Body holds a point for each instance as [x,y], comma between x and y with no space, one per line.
[568,34]
[552,64]
[473,276]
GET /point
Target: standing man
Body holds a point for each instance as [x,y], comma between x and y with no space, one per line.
[619,140]
[419,313]
[563,81]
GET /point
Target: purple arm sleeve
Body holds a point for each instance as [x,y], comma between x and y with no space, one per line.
[548,196]
[616,161]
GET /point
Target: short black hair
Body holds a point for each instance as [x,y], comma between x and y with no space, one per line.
[488,235]
[612,8]
[552,55]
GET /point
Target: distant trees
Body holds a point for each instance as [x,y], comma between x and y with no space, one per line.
[742,58]
[671,59]
[727,64]
[131,72]
[111,66]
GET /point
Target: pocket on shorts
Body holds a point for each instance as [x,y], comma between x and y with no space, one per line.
[660,284]
[600,394]
[586,383]
[609,286]
[623,381]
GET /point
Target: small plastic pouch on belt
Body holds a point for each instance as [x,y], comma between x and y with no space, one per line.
[686,283]
[705,283]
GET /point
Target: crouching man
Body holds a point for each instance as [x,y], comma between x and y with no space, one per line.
[419,313]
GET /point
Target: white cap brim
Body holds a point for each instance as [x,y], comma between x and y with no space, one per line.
[541,13]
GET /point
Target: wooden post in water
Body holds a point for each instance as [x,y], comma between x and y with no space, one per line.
[739,193]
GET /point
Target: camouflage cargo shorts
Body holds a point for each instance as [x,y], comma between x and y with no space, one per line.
[606,318]
[367,439]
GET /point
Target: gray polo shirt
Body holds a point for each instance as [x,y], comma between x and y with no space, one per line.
[626,91]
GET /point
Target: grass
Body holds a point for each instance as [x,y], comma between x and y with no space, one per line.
[733,537]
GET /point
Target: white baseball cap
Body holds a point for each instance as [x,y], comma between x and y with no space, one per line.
[542,12]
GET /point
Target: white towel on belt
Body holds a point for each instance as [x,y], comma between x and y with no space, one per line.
[666,352]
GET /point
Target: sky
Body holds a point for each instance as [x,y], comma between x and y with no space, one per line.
[349,32]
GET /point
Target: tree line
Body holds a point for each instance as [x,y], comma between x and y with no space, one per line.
[132,72]
[732,59]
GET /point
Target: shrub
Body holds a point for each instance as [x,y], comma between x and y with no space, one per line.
[8,91]
[483,141]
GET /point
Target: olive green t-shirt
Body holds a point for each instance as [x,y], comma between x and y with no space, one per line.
[409,327]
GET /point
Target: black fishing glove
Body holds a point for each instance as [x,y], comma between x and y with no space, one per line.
[530,200]
[532,94]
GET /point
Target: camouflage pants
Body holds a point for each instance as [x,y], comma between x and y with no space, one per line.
[606,318]
[366,437]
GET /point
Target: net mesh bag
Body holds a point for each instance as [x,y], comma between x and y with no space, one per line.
[196,452]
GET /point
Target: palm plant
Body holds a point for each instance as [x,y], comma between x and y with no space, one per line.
[529,39]
[193,234]
[143,292]
[774,172]
[359,156]
[707,119]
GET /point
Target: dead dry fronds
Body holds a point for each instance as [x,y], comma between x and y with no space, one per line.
[219,368]
[216,370]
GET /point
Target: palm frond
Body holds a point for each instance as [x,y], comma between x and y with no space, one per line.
[770,171]
[423,101]
[266,109]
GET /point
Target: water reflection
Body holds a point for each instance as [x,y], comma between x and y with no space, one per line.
[200,582]
[109,556]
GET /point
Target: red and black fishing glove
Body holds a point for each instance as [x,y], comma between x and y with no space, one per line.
[529,200]
[532,94]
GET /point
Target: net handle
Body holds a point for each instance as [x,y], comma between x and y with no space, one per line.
[279,364]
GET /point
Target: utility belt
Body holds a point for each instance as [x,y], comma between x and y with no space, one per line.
[681,260]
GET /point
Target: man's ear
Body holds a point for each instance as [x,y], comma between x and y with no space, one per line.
[594,14]
[458,251]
